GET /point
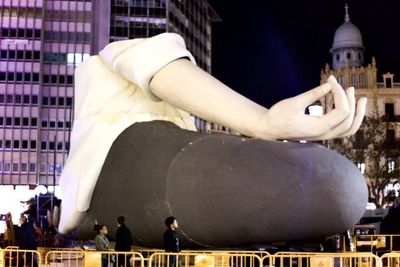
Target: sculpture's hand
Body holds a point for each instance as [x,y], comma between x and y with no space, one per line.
[286,119]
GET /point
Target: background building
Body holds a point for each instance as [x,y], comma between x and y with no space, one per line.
[42,41]
[375,146]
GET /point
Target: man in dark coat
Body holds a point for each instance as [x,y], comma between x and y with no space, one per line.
[123,242]
[171,241]
[27,241]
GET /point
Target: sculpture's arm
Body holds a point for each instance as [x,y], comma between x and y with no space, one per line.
[188,87]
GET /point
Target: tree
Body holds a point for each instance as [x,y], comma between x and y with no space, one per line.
[375,151]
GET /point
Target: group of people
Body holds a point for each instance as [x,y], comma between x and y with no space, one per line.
[124,241]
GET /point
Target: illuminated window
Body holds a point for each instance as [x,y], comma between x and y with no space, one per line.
[74,59]
[361,167]
[390,165]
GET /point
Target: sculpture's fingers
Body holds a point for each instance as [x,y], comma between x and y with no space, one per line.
[345,125]
[358,118]
[305,99]
[339,95]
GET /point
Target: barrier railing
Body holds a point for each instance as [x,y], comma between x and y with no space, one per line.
[321,259]
[196,259]
[377,243]
[18,257]
[391,259]
[93,258]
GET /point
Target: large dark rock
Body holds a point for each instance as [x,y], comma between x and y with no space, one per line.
[224,190]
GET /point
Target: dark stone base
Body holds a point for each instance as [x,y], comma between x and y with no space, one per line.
[224,190]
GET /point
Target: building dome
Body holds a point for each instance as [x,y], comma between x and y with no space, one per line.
[347,35]
[347,48]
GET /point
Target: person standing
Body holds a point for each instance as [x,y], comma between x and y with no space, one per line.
[171,241]
[123,242]
[102,244]
[27,241]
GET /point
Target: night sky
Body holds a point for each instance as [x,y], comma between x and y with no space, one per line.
[269,50]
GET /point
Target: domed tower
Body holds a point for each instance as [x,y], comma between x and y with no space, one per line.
[347,45]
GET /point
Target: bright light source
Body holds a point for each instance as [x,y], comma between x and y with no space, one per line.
[315,110]
[41,189]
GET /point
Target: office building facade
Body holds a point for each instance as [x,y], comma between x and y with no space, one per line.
[42,41]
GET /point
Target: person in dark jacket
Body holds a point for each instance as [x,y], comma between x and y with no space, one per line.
[171,241]
[123,242]
[27,241]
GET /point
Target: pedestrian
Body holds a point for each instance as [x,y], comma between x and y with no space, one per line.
[171,241]
[102,244]
[123,242]
[27,241]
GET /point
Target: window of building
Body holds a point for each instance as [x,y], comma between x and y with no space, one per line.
[16,144]
[43,168]
[34,99]
[25,121]
[17,121]
[20,54]
[33,144]
[43,145]
[53,100]
[51,145]
[44,124]
[8,121]
[36,55]
[19,76]
[7,167]
[389,111]
[8,144]
[24,167]
[26,99]
[33,121]
[60,124]
[52,124]
[2,98]
[1,120]
[18,99]
[69,101]
[15,167]
[24,144]
[59,145]
[32,167]
[10,99]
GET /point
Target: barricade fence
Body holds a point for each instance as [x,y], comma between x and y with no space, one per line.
[207,258]
[377,243]
[322,259]
[11,257]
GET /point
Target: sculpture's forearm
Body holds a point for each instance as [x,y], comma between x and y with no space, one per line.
[188,87]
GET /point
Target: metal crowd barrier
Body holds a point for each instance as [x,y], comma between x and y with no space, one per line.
[321,259]
[391,259]
[204,259]
[92,258]
[14,257]
[377,243]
